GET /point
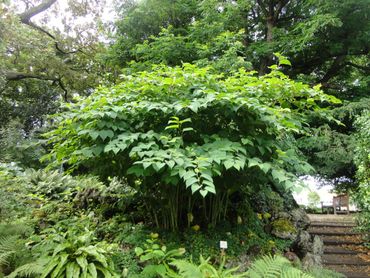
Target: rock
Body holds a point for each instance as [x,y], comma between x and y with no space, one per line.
[291,256]
[300,219]
[302,245]
[318,246]
[283,228]
[311,260]
[242,262]
[282,214]
[254,250]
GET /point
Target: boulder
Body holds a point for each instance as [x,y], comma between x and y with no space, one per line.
[291,256]
[303,244]
[283,228]
[317,246]
[300,219]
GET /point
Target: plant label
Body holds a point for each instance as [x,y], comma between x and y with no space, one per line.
[223,244]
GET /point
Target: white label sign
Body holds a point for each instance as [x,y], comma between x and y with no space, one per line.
[223,244]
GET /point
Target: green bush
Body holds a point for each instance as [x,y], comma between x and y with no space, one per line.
[71,254]
[187,139]
[362,159]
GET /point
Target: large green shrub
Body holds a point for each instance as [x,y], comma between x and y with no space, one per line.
[189,139]
[362,158]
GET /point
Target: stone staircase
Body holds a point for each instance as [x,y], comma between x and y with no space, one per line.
[343,247]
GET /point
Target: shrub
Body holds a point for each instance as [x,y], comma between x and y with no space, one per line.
[362,159]
[188,139]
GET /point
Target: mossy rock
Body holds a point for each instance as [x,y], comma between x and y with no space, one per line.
[283,228]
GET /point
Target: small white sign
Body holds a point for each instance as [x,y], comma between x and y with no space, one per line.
[223,244]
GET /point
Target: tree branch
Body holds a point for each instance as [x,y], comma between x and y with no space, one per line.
[334,68]
[363,68]
[317,60]
[27,15]
[14,76]
[26,19]
[279,8]
[263,7]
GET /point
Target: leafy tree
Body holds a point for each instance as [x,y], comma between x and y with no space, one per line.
[142,20]
[189,139]
[42,65]
[313,199]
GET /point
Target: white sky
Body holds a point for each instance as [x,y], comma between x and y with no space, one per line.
[324,191]
[55,21]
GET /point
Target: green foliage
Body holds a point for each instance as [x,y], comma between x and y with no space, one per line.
[13,251]
[187,269]
[49,184]
[229,35]
[318,272]
[33,269]
[239,125]
[72,254]
[313,199]
[283,225]
[274,266]
[156,257]
[17,146]
[12,201]
[267,266]
[362,195]
[84,260]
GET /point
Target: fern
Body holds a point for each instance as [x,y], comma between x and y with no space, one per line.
[13,251]
[20,229]
[186,270]
[8,249]
[319,272]
[33,269]
[274,267]
[204,269]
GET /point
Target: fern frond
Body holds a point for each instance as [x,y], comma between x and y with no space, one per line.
[33,269]
[14,229]
[187,269]
[274,267]
[8,248]
[5,257]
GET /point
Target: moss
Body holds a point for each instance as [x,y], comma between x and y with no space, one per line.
[283,225]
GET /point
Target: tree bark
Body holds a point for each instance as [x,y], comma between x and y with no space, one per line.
[13,76]
[27,15]
[271,11]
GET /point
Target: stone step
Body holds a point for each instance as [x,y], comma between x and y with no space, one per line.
[356,274]
[334,224]
[333,249]
[351,271]
[341,242]
[333,233]
[344,259]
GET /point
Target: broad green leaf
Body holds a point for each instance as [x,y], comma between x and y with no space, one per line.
[92,270]
[106,134]
[254,162]
[82,262]
[191,181]
[139,251]
[228,164]
[50,266]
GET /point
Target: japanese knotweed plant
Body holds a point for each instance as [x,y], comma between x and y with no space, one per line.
[189,138]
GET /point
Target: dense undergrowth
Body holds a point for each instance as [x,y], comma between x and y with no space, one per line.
[55,225]
[162,167]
